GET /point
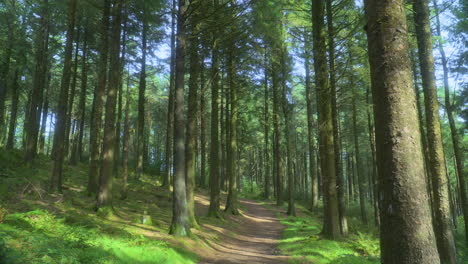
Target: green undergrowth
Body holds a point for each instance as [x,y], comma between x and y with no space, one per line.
[40,237]
[38,227]
[302,241]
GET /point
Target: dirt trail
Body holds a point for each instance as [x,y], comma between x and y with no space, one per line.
[251,239]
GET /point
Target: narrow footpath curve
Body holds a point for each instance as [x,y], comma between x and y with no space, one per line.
[253,239]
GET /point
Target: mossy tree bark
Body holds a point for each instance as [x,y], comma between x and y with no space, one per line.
[405,214]
[214,148]
[459,159]
[180,225]
[192,125]
[104,197]
[325,124]
[310,129]
[266,116]
[441,198]
[232,201]
[98,104]
[335,116]
[359,165]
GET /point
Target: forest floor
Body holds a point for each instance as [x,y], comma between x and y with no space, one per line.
[38,227]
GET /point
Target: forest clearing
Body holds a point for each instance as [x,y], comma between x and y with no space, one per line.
[233,131]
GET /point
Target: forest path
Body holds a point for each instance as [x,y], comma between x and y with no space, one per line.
[251,239]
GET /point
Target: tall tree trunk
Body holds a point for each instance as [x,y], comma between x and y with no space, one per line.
[232,202]
[459,160]
[82,103]
[400,163]
[126,140]
[141,101]
[58,154]
[202,125]
[4,70]
[310,131]
[277,133]
[422,129]
[45,113]
[359,165]
[98,104]
[120,98]
[289,133]
[104,197]
[325,124]
[441,198]
[170,105]
[214,148]
[192,126]
[14,111]
[70,110]
[267,129]
[33,114]
[335,116]
[180,225]
[374,161]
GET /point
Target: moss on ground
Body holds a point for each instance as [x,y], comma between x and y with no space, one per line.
[40,228]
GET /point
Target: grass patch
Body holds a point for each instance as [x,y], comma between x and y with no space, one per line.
[38,227]
[302,241]
[40,237]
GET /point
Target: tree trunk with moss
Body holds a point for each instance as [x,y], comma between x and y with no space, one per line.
[403,192]
[459,159]
[180,225]
[441,198]
[104,197]
[325,123]
[98,104]
[192,126]
[359,165]
[336,128]
[232,201]
[214,148]
[310,130]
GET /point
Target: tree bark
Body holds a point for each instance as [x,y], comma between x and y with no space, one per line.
[192,126]
[214,148]
[58,154]
[441,198]
[170,105]
[82,103]
[126,140]
[98,104]
[232,201]
[104,197]
[267,129]
[335,116]
[180,225]
[459,159]
[404,205]
[33,113]
[141,101]
[325,123]
[14,111]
